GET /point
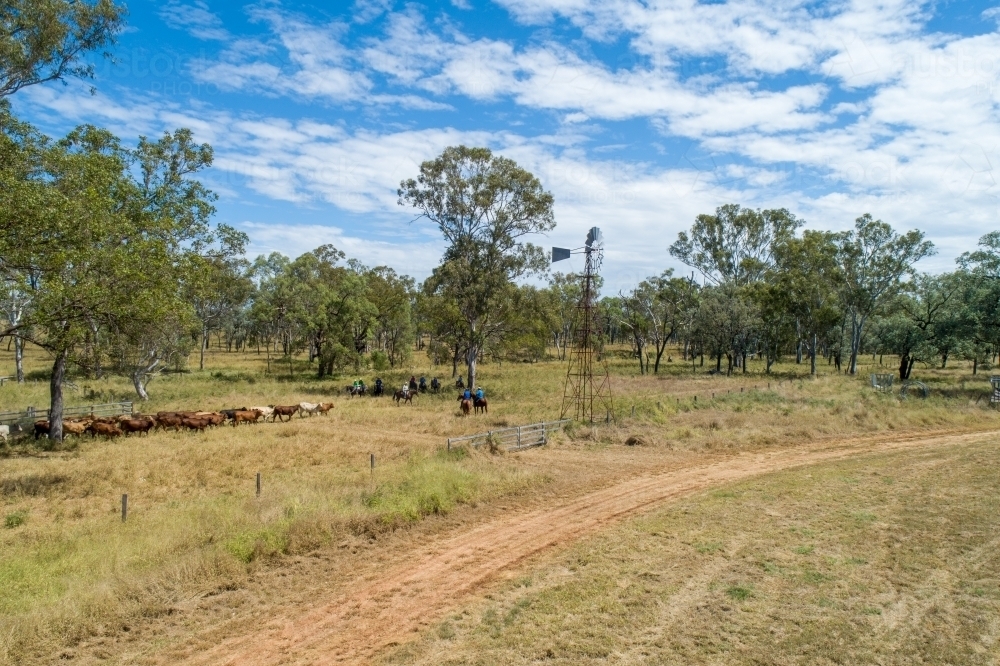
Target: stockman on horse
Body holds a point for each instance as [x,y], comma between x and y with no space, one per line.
[435,384]
[378,387]
[413,383]
[459,383]
[480,402]
[467,395]
[423,385]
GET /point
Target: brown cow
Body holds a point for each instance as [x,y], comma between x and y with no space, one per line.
[247,415]
[213,418]
[195,424]
[324,407]
[165,420]
[41,428]
[286,410]
[138,426]
[97,428]
[75,427]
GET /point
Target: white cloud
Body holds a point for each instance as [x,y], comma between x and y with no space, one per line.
[194,17]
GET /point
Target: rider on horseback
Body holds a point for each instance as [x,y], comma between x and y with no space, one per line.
[467,395]
[413,383]
[378,385]
[423,385]
[480,394]
[460,383]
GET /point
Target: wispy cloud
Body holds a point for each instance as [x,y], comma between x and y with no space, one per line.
[194,17]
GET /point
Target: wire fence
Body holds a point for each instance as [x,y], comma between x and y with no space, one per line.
[513,439]
[30,415]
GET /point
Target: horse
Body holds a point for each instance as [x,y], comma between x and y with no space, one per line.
[466,405]
[481,405]
[405,396]
[377,391]
[459,383]
[356,390]
[435,385]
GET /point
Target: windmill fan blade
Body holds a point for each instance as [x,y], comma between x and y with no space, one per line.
[559,253]
[594,237]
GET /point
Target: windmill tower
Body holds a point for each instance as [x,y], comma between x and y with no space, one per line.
[583,399]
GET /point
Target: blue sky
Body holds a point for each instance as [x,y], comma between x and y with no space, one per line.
[636,115]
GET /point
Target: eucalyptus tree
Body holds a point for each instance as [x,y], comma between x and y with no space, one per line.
[391,295]
[726,325]
[808,281]
[735,246]
[875,260]
[103,248]
[46,40]
[326,300]
[485,206]
[635,320]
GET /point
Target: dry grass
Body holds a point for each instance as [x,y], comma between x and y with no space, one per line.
[70,569]
[889,559]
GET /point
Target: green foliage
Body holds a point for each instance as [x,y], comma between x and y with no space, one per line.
[484,206]
[15,519]
[736,245]
[45,40]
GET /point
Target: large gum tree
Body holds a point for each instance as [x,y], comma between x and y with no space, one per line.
[485,205]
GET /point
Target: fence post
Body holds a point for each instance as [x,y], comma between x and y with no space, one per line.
[449,443]
[124,507]
[519,436]
[258,484]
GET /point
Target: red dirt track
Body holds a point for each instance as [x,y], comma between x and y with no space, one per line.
[384,609]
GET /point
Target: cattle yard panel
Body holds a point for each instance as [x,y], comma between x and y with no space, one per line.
[882,382]
[513,439]
[995,383]
[31,414]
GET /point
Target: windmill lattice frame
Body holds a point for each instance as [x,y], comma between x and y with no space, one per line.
[583,398]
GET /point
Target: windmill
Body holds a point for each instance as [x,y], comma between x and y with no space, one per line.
[580,395]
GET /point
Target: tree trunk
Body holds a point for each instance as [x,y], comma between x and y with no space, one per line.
[718,362]
[798,353]
[909,368]
[904,362]
[659,355]
[744,361]
[140,385]
[56,396]
[471,360]
[856,325]
[19,358]
[975,365]
[729,364]
[204,345]
[812,361]
[944,360]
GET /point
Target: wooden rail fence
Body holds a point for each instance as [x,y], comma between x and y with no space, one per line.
[514,439]
[30,415]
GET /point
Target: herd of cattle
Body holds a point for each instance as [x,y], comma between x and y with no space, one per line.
[127,424]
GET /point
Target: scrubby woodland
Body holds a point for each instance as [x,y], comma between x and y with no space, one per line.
[109,260]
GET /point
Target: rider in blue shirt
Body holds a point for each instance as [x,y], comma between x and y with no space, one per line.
[479,393]
[467,395]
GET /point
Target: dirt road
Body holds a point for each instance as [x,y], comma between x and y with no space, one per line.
[388,608]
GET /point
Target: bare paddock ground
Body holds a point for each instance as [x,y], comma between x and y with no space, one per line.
[200,554]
